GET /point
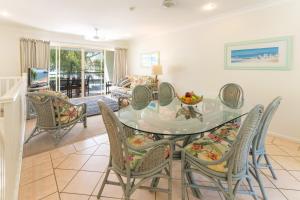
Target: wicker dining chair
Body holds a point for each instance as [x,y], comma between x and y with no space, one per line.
[166,93]
[258,148]
[55,114]
[221,162]
[141,97]
[232,95]
[134,161]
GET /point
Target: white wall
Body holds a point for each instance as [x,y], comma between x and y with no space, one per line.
[193,59]
[10,35]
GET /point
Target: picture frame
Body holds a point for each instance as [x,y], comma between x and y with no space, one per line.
[149,59]
[263,54]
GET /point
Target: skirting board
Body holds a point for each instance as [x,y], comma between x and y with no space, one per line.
[292,139]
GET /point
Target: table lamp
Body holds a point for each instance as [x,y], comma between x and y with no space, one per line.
[156,70]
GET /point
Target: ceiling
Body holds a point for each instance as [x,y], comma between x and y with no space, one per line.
[113,18]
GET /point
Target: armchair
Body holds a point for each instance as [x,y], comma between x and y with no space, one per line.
[55,114]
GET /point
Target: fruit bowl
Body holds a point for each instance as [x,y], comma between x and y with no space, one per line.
[190,98]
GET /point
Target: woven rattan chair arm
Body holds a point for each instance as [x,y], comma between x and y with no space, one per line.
[150,145]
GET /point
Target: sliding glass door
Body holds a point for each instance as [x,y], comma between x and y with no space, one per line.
[94,72]
[77,72]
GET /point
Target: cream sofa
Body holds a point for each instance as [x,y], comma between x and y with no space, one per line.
[117,91]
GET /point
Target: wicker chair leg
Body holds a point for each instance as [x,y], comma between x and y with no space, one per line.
[31,134]
[253,193]
[85,121]
[257,176]
[57,136]
[183,183]
[103,183]
[270,166]
[170,181]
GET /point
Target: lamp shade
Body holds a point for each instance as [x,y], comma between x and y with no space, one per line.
[157,70]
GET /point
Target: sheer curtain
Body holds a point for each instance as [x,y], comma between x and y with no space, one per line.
[120,65]
[34,53]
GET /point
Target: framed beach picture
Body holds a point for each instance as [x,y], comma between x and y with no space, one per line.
[266,54]
[149,59]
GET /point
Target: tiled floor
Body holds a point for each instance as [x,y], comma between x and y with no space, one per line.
[75,172]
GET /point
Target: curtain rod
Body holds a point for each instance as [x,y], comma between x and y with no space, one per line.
[80,45]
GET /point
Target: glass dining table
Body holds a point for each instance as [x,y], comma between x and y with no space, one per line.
[177,121]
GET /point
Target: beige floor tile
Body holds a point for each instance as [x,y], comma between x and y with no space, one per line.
[176,190]
[88,151]
[66,196]
[63,177]
[102,198]
[34,173]
[103,150]
[291,194]
[101,139]
[288,163]
[112,191]
[273,194]
[274,164]
[284,179]
[176,170]
[83,183]
[111,177]
[274,150]
[296,174]
[291,150]
[62,151]
[269,139]
[109,190]
[79,146]
[266,182]
[54,196]
[74,161]
[284,142]
[38,189]
[58,161]
[36,160]
[143,194]
[96,163]
[206,195]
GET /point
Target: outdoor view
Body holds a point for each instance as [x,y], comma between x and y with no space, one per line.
[68,79]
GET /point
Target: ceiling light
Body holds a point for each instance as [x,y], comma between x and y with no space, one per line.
[209,6]
[96,37]
[4,14]
[168,3]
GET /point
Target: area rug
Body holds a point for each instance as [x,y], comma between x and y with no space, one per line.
[92,105]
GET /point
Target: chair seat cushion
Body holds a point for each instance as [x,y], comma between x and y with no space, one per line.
[227,132]
[140,140]
[69,113]
[207,149]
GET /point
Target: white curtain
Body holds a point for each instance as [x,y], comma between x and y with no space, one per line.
[34,53]
[120,65]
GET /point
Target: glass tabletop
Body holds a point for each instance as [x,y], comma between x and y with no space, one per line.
[177,119]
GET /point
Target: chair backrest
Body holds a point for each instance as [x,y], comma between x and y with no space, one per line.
[166,93]
[259,142]
[43,105]
[116,136]
[232,95]
[141,97]
[238,163]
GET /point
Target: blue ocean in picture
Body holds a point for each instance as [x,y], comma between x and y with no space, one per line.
[258,55]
